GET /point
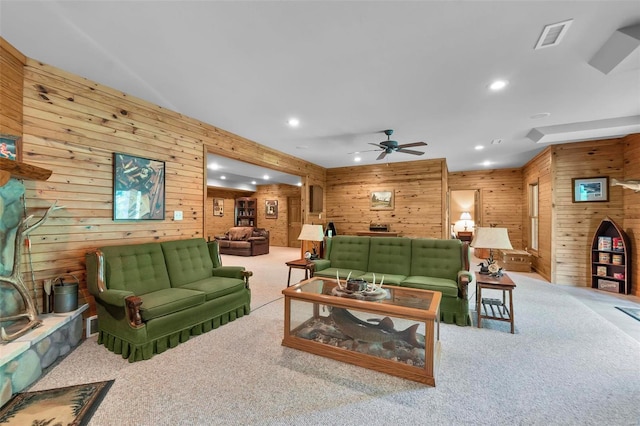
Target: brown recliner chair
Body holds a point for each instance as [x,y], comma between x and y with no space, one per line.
[244,241]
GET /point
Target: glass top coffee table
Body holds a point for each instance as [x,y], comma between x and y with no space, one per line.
[394,330]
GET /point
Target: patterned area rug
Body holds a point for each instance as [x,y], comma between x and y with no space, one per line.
[72,405]
[632,312]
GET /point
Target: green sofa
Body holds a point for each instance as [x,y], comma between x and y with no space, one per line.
[425,263]
[153,296]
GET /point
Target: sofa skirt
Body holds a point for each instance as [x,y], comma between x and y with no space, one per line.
[143,351]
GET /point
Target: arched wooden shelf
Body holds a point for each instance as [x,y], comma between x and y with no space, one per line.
[611,258]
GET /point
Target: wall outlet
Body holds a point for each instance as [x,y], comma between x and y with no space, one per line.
[177,215]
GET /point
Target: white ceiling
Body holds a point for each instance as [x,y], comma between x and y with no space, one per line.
[350,69]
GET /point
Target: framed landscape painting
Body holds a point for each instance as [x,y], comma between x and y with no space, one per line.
[138,188]
[590,189]
[381,200]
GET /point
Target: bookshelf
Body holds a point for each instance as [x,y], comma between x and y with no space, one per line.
[611,258]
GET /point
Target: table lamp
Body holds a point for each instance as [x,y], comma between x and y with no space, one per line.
[465,216]
[312,233]
[491,238]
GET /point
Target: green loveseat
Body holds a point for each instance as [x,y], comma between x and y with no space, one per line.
[153,296]
[425,263]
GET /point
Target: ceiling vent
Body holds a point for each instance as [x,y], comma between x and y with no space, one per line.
[552,34]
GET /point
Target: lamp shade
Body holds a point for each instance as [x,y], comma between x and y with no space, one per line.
[492,238]
[465,216]
[311,233]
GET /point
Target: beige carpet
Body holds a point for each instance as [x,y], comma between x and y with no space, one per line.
[566,365]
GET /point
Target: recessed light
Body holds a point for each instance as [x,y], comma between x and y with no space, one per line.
[265,177]
[479,147]
[213,166]
[293,122]
[357,159]
[223,177]
[498,85]
[253,182]
[299,183]
[540,115]
[486,163]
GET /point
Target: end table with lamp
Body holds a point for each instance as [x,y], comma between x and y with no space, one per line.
[313,233]
[491,238]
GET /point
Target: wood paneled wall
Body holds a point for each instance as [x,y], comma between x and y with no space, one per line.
[72,126]
[419,188]
[631,223]
[501,198]
[218,225]
[538,170]
[278,228]
[11,76]
[574,224]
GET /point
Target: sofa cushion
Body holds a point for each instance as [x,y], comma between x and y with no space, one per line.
[215,287]
[349,253]
[446,286]
[240,244]
[343,273]
[391,255]
[187,260]
[164,302]
[436,258]
[240,233]
[138,268]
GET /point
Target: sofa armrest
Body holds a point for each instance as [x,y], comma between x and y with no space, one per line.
[464,278]
[321,264]
[228,271]
[125,300]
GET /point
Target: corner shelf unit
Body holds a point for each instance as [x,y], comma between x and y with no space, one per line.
[611,258]
[246,209]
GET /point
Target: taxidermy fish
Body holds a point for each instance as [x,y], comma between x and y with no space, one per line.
[382,332]
[630,184]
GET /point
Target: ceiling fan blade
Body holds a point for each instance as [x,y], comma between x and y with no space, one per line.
[407,145]
[382,155]
[366,150]
[410,151]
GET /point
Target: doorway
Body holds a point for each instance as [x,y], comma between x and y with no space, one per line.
[464,212]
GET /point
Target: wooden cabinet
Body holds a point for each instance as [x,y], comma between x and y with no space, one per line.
[611,258]
[246,211]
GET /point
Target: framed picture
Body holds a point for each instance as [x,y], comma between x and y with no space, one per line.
[11,147]
[271,209]
[218,206]
[590,189]
[381,200]
[138,188]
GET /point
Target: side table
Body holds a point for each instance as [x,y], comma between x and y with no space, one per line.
[305,264]
[503,313]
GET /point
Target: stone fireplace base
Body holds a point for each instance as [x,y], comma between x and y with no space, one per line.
[23,360]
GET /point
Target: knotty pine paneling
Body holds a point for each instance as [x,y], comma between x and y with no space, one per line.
[11,76]
[278,228]
[418,188]
[218,225]
[574,224]
[631,222]
[539,169]
[72,126]
[501,198]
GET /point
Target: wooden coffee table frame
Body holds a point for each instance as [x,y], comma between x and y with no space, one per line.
[429,317]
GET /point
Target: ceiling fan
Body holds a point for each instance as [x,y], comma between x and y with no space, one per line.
[390,146]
